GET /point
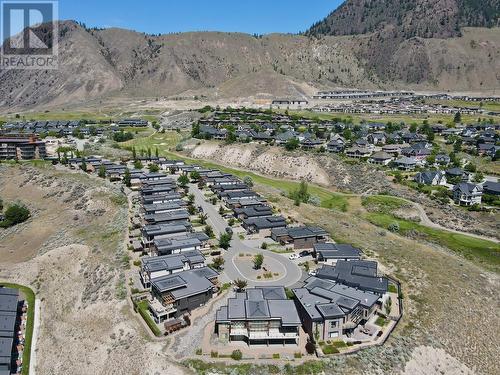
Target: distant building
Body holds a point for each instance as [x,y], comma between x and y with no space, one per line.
[22,148]
[289,103]
[467,194]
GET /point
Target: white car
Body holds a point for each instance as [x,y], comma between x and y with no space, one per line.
[293,256]
[313,273]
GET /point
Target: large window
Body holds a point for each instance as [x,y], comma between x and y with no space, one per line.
[333,324]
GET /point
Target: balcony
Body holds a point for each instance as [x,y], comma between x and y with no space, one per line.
[160,309]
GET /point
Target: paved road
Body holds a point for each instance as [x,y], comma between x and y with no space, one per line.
[292,274]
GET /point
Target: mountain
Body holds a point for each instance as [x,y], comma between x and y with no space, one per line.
[393,50]
[409,18]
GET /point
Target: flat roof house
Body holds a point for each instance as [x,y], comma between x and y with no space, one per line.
[263,225]
[158,266]
[259,316]
[9,304]
[301,237]
[179,244]
[180,293]
[331,310]
[158,231]
[22,148]
[253,211]
[330,253]
[167,217]
[361,274]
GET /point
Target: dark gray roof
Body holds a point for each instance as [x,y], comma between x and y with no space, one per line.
[265,222]
[467,188]
[186,283]
[171,262]
[163,229]
[299,232]
[360,274]
[336,251]
[491,187]
[167,217]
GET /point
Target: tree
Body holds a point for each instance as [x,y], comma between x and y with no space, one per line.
[225,241]
[248,181]
[479,177]
[240,285]
[292,144]
[195,176]
[203,218]
[388,305]
[258,261]
[209,231]
[154,168]
[183,180]
[134,153]
[102,171]
[138,164]
[191,198]
[470,168]
[398,177]
[83,166]
[157,153]
[126,178]
[263,246]
[15,214]
[458,118]
[218,262]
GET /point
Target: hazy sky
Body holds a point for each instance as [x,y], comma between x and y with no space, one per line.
[254,16]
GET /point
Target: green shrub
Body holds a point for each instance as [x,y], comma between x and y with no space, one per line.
[199,351]
[329,349]
[237,355]
[15,214]
[276,356]
[214,354]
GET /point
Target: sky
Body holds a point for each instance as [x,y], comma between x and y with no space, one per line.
[153,17]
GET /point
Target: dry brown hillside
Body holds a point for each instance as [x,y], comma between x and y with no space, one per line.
[115,62]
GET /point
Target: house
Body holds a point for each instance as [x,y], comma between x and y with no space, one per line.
[377,138]
[158,266]
[457,174]
[180,293]
[9,326]
[177,217]
[433,178]
[467,194]
[491,188]
[263,225]
[405,163]
[283,138]
[301,237]
[289,103]
[335,145]
[360,274]
[210,132]
[487,149]
[179,244]
[311,144]
[381,158]
[418,151]
[162,198]
[259,316]
[253,211]
[160,208]
[159,231]
[443,159]
[330,253]
[330,310]
[358,152]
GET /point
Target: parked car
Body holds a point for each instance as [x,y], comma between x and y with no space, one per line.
[229,230]
[293,256]
[313,273]
[304,253]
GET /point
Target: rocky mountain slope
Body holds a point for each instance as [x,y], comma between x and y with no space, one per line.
[99,64]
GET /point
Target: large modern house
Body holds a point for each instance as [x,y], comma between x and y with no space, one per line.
[9,302]
[361,274]
[159,266]
[263,225]
[301,237]
[179,293]
[179,244]
[330,253]
[259,316]
[332,310]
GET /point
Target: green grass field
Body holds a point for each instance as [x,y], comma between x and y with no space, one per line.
[486,253]
[30,297]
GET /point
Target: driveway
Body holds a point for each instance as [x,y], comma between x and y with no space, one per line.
[291,273]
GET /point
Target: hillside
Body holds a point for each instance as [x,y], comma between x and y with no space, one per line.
[100,65]
[409,18]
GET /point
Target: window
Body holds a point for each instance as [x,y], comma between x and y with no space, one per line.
[333,334]
[333,324]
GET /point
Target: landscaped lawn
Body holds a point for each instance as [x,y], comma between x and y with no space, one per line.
[487,253]
[30,298]
[143,309]
[380,321]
